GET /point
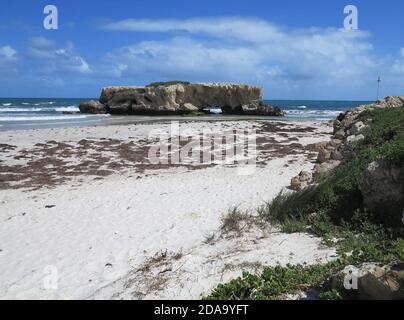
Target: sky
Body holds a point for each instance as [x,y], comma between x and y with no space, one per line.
[293,49]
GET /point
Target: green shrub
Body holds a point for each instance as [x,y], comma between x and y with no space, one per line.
[338,193]
[356,245]
[193,114]
[332,209]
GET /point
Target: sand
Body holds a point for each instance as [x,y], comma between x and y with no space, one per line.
[118,228]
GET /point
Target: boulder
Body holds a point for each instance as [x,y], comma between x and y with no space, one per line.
[353,138]
[92,106]
[357,127]
[301,181]
[336,155]
[335,143]
[337,126]
[348,120]
[372,281]
[249,108]
[325,167]
[320,145]
[391,102]
[323,156]
[382,188]
[259,109]
[347,151]
[188,107]
[340,134]
[268,110]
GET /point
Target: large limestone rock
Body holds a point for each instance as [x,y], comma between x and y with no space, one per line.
[301,181]
[391,102]
[372,281]
[257,109]
[382,188]
[92,106]
[188,107]
[325,167]
[323,156]
[347,122]
[348,131]
[178,98]
[353,138]
[357,127]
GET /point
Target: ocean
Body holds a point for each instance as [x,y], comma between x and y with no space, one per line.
[26,113]
[314,109]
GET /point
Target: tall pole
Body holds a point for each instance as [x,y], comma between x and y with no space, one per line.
[378,87]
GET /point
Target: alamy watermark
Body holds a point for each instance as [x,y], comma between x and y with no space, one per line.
[51,20]
[191,147]
[351,278]
[351,20]
[51,279]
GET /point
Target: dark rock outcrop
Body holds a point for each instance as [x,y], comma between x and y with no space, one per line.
[347,132]
[372,281]
[382,188]
[92,106]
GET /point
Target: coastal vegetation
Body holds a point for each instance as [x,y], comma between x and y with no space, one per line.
[334,209]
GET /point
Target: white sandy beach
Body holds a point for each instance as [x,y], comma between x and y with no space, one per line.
[116,228]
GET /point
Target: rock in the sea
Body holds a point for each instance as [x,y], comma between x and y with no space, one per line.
[382,188]
[259,109]
[301,181]
[92,106]
[173,98]
[372,281]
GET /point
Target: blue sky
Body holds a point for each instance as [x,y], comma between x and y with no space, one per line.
[294,49]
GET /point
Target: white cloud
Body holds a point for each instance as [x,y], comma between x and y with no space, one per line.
[8,59]
[182,57]
[56,58]
[40,43]
[244,49]
[7,53]
[398,65]
[246,29]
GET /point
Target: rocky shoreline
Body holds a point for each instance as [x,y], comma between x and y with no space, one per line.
[346,133]
[180,98]
[380,188]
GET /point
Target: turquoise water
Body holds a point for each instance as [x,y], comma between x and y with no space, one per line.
[16,113]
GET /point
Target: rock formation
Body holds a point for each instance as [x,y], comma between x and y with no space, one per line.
[180,97]
[93,107]
[301,181]
[382,188]
[347,132]
[373,281]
